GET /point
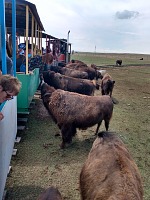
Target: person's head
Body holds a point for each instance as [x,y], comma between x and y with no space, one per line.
[9,87]
[29,50]
[47,58]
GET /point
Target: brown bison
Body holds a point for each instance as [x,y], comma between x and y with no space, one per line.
[59,81]
[69,72]
[92,72]
[107,85]
[51,193]
[70,110]
[110,173]
[76,61]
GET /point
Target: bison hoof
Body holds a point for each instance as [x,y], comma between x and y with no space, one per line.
[62,145]
[57,134]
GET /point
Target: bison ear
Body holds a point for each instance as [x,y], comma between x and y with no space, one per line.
[113,82]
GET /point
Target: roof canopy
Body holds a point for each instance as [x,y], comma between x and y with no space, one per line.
[46,35]
[21,16]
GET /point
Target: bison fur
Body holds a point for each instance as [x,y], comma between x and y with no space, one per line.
[110,173]
[71,110]
[107,85]
[59,81]
[92,73]
[69,72]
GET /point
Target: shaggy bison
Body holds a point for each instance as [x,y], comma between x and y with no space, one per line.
[92,72]
[119,62]
[70,110]
[69,72]
[109,172]
[51,193]
[107,85]
[59,81]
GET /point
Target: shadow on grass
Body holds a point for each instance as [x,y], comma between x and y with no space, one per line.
[24,192]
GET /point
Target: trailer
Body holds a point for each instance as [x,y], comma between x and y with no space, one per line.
[17,17]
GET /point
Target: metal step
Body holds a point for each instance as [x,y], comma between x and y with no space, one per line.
[20,128]
[19,119]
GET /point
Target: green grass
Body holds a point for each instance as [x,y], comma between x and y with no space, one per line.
[101,59]
[40,162]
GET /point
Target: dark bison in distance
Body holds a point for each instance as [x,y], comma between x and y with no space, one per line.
[110,173]
[70,110]
[69,72]
[59,81]
[119,62]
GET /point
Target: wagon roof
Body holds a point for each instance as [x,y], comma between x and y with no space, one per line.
[21,16]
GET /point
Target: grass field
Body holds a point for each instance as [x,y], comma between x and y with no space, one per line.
[40,162]
[101,59]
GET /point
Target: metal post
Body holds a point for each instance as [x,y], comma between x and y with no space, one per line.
[67,47]
[3,36]
[14,35]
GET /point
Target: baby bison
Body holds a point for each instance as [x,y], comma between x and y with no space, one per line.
[109,172]
[51,193]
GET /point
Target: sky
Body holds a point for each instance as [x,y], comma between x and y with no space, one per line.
[105,26]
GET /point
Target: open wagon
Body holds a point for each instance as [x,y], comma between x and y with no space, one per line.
[17,17]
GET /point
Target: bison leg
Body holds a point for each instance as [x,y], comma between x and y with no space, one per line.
[67,131]
[110,94]
[102,91]
[106,124]
[98,125]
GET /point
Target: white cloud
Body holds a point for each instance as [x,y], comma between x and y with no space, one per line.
[98,23]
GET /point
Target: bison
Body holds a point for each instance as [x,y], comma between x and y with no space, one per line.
[110,173]
[92,72]
[119,62]
[69,72]
[50,193]
[76,61]
[59,81]
[107,85]
[71,110]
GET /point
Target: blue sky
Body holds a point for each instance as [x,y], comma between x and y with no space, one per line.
[115,26]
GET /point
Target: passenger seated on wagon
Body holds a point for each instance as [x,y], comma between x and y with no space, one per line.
[42,62]
[34,62]
[9,87]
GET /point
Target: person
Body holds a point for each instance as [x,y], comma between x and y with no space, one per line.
[8,62]
[23,59]
[9,87]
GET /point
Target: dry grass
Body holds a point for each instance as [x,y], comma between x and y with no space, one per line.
[40,162]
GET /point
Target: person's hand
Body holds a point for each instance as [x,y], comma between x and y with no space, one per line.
[1,116]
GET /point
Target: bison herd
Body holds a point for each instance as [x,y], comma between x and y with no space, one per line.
[109,173]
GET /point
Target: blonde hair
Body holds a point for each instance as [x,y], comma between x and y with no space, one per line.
[10,83]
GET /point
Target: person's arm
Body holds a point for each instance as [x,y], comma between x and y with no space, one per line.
[1,116]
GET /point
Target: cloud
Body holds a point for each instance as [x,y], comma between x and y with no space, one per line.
[126,14]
